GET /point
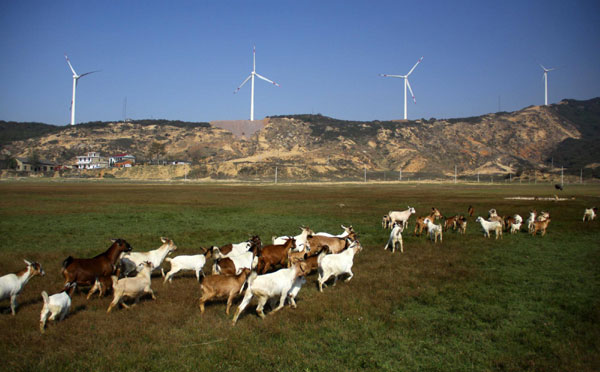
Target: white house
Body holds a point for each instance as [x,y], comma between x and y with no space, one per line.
[92,160]
[122,160]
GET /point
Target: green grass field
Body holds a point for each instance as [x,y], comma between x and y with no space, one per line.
[468,304]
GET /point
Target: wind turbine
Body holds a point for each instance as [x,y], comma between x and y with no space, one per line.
[406,83]
[251,76]
[75,79]
[546,82]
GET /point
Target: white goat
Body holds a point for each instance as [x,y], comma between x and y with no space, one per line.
[395,238]
[57,305]
[131,261]
[293,292]
[516,226]
[186,262]
[337,264]
[400,216]
[488,226]
[435,231]
[589,214]
[345,233]
[278,283]
[300,239]
[134,287]
[531,220]
[12,284]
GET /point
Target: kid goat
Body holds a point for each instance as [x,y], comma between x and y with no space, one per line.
[435,231]
[185,262]
[395,238]
[12,284]
[134,287]
[57,305]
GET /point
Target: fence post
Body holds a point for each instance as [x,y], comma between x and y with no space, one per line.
[365,176]
[275,174]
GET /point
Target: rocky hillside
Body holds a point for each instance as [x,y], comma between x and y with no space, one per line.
[314,145]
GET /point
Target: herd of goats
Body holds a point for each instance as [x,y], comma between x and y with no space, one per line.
[268,272]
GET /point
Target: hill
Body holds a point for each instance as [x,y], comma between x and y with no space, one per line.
[318,146]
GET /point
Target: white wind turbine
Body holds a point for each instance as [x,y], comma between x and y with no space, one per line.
[546,82]
[75,79]
[406,83]
[251,76]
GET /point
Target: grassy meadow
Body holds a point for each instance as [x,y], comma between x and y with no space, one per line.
[467,304]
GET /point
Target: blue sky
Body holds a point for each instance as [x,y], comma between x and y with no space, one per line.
[182,60]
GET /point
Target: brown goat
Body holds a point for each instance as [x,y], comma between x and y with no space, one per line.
[274,254]
[540,226]
[254,242]
[312,263]
[84,271]
[318,242]
[471,211]
[420,223]
[450,222]
[216,287]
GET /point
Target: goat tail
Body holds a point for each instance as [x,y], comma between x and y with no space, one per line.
[45,297]
[321,255]
[115,279]
[251,278]
[168,259]
[66,263]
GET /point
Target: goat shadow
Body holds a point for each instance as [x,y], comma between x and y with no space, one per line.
[28,302]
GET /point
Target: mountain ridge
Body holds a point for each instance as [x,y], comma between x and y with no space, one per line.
[316,145]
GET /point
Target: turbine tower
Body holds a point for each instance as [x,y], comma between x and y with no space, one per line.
[406,83]
[251,76]
[546,83]
[75,79]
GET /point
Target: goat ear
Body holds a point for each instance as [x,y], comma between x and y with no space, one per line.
[27,262]
[164,240]
[114,240]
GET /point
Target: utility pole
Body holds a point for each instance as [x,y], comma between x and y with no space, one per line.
[581,176]
[454,173]
[365,176]
[562,180]
[400,176]
[275,174]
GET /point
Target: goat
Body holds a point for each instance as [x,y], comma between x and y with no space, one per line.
[531,219]
[102,285]
[186,262]
[235,265]
[470,211]
[514,223]
[12,284]
[222,286]
[540,226]
[395,238]
[293,292]
[335,245]
[337,264]
[134,287]
[543,216]
[84,271]
[435,231]
[420,223]
[57,305]
[273,255]
[493,216]
[239,248]
[347,231]
[488,226]
[311,262]
[590,214]
[462,224]
[400,216]
[265,286]
[385,222]
[133,260]
[300,238]
[450,222]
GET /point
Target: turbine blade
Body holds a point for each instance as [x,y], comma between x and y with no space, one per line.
[254,58]
[87,73]
[411,70]
[394,76]
[411,92]
[69,62]
[245,81]
[265,79]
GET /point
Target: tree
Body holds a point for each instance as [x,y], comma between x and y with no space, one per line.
[157,149]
